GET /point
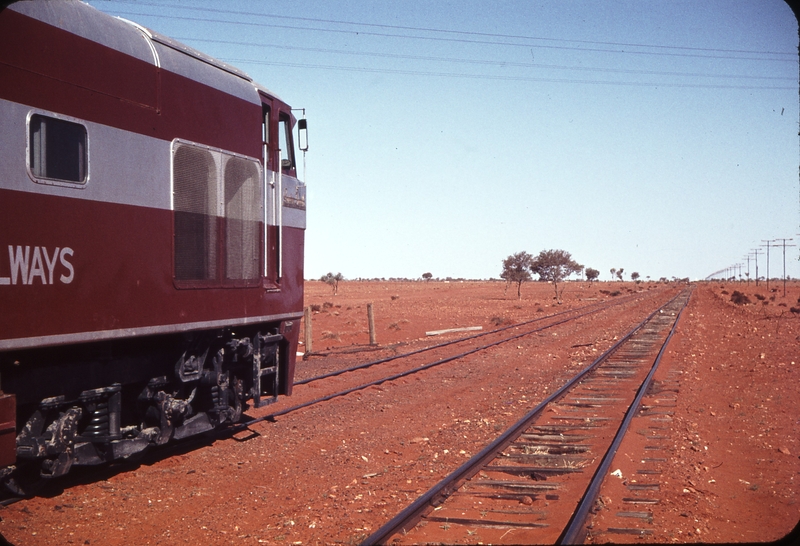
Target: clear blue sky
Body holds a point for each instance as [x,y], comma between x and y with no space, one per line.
[656,136]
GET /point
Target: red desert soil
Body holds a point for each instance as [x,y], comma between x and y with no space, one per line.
[335,472]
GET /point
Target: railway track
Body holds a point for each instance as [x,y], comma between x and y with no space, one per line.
[540,480]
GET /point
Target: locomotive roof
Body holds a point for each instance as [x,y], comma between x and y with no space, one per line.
[142,43]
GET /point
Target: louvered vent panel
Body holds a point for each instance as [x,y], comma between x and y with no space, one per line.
[243,212]
[195,187]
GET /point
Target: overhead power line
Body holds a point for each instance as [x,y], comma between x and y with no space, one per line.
[479,38]
[497,63]
[445,31]
[501,78]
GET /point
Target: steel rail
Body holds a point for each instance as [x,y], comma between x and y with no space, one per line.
[575,532]
[272,416]
[412,514]
[601,305]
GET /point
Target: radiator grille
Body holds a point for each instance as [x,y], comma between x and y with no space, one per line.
[218,208]
[242,215]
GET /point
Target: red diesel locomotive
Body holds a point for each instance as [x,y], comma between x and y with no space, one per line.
[151,240]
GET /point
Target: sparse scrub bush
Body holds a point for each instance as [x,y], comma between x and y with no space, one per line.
[739,299]
[333,281]
[517,269]
[555,266]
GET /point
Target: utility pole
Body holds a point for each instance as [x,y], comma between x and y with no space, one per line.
[748,268]
[768,241]
[756,251]
[784,262]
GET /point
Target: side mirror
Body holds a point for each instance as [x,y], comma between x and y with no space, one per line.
[302,134]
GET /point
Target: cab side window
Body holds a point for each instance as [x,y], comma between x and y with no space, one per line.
[57,150]
[285,142]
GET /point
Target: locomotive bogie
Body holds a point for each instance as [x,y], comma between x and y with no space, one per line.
[210,378]
[151,241]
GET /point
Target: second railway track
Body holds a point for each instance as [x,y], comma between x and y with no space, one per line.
[538,482]
[419,360]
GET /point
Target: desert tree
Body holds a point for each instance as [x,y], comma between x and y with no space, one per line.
[333,281]
[635,276]
[619,273]
[555,266]
[427,276]
[613,272]
[591,274]
[517,269]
